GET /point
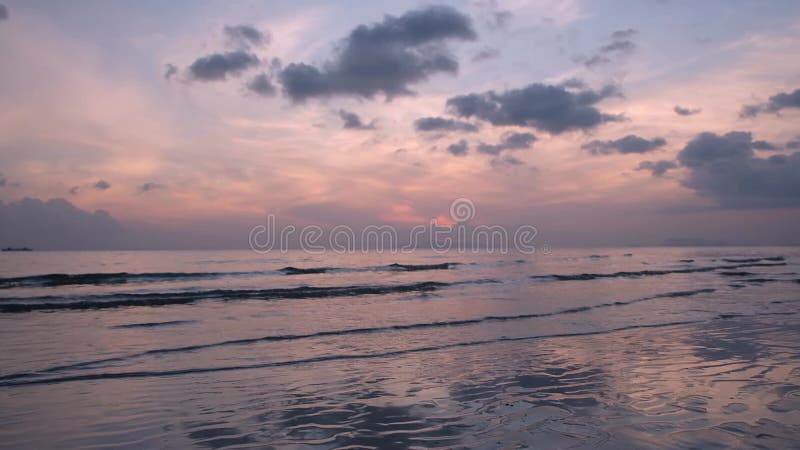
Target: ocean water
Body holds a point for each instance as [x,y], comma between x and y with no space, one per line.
[600,348]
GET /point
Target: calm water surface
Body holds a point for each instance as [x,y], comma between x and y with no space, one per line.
[608,348]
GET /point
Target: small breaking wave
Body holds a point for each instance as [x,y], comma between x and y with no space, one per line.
[417,267]
[645,273]
[391,267]
[290,270]
[363,356]
[752,260]
[27,304]
[64,279]
[367,330]
[153,324]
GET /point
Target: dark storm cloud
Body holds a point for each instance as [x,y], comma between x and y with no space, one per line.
[708,148]
[244,36]
[775,104]
[486,53]
[459,148]
[726,169]
[261,85]
[385,57]
[57,225]
[102,185]
[149,187]
[353,122]
[793,145]
[764,145]
[3,181]
[657,168]
[442,124]
[3,12]
[512,141]
[554,109]
[218,66]
[169,71]
[628,144]
[681,111]
[621,44]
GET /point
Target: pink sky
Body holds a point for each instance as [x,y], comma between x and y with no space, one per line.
[80,106]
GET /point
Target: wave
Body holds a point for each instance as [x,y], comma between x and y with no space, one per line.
[26,304]
[154,324]
[290,270]
[364,356]
[767,280]
[100,301]
[297,271]
[368,330]
[417,267]
[752,260]
[644,273]
[63,279]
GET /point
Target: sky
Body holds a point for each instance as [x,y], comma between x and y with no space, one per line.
[184,124]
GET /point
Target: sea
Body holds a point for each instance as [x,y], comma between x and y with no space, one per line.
[573,348]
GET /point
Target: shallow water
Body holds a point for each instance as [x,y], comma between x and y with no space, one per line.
[679,348]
